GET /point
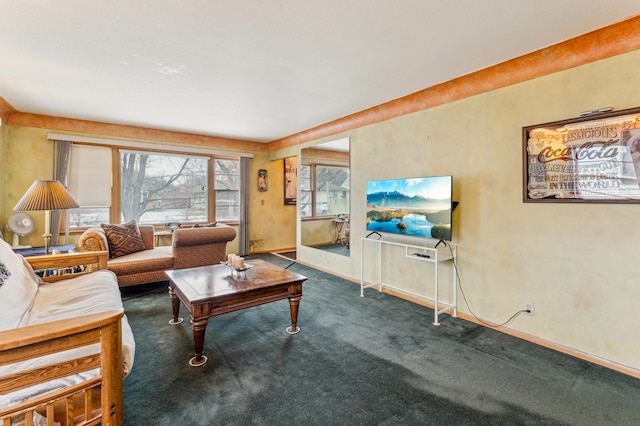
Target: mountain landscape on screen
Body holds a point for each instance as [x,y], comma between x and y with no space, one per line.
[416,207]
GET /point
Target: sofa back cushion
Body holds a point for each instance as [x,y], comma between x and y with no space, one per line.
[123,238]
[18,288]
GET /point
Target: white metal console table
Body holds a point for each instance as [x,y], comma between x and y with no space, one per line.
[424,254]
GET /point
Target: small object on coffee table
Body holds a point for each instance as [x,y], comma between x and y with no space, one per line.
[245,266]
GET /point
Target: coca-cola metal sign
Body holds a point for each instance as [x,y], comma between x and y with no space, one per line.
[594,158]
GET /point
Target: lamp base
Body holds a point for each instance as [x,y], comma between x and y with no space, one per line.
[47,242]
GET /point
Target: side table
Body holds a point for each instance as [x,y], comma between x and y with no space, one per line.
[339,224]
[158,236]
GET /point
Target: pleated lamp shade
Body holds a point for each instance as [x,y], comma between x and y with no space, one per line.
[46,195]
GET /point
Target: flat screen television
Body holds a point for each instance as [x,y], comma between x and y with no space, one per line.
[418,207]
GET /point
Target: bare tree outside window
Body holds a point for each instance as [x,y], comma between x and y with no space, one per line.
[163,188]
[160,187]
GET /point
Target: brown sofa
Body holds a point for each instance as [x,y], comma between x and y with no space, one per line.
[190,247]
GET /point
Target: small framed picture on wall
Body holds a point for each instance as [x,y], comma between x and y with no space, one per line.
[262,180]
[594,158]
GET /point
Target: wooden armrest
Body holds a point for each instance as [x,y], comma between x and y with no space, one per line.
[38,333]
[67,260]
[60,336]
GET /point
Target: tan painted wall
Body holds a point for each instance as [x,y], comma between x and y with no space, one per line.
[272,224]
[3,180]
[577,263]
[317,232]
[29,157]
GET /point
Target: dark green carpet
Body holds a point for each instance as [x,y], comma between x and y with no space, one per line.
[336,248]
[376,360]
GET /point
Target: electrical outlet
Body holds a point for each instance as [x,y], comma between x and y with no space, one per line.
[528,307]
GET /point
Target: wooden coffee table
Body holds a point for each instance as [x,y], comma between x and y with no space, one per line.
[208,291]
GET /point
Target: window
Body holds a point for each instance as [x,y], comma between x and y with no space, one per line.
[332,190]
[155,187]
[227,189]
[162,188]
[324,190]
[90,185]
[305,197]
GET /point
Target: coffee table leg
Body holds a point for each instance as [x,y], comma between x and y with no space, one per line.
[199,328]
[294,302]
[175,306]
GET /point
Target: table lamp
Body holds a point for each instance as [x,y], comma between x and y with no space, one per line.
[46,195]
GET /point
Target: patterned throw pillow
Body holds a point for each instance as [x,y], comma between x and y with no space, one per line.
[123,239]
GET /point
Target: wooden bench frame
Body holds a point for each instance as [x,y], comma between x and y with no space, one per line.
[96,401]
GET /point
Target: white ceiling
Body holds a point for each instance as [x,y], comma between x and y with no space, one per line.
[262,69]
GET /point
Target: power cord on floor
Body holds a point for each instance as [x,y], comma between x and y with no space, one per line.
[466,302]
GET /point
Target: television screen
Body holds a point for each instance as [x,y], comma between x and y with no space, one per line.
[418,207]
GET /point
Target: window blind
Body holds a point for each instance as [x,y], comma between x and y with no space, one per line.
[90,175]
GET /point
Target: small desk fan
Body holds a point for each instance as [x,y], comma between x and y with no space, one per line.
[22,225]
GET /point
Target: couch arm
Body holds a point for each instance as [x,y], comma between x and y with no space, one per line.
[201,246]
[93,239]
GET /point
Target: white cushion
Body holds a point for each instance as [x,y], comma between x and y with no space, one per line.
[18,289]
[83,295]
